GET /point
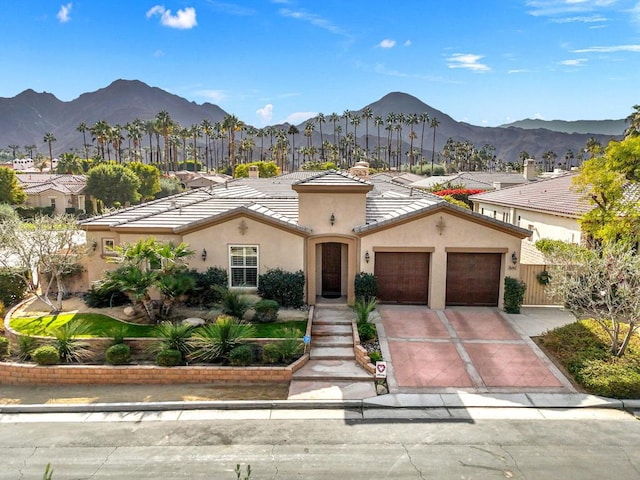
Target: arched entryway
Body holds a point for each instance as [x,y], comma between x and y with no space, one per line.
[331,266]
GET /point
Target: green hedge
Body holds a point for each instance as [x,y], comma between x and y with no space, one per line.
[286,288]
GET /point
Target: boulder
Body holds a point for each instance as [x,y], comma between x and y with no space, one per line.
[129,311]
[193,322]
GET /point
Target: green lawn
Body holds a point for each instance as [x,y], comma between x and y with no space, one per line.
[103,326]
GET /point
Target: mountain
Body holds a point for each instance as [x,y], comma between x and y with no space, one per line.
[25,118]
[604,127]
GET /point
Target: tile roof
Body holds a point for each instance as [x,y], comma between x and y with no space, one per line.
[474,180]
[554,196]
[35,183]
[332,178]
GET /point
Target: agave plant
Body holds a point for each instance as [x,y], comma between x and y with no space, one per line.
[215,341]
[69,346]
[173,336]
[363,308]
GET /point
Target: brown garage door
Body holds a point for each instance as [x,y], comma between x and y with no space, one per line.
[403,277]
[473,278]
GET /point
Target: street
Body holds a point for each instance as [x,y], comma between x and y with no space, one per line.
[324,444]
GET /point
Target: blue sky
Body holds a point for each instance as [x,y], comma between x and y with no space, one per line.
[486,62]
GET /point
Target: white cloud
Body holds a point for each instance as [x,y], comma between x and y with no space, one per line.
[519,70]
[576,62]
[610,49]
[299,117]
[387,43]
[183,19]
[158,53]
[313,19]
[265,113]
[551,8]
[63,13]
[407,43]
[469,61]
[215,95]
[538,116]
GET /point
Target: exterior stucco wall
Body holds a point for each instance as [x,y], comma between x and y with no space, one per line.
[277,248]
[458,235]
[348,209]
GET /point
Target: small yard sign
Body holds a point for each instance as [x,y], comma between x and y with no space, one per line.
[381,369]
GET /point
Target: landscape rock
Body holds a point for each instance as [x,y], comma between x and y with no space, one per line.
[193,322]
[381,390]
[129,311]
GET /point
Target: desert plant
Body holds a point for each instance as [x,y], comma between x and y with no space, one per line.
[270,353]
[365,286]
[169,358]
[26,345]
[367,331]
[118,354]
[4,347]
[104,295]
[118,333]
[290,346]
[46,355]
[70,348]
[513,294]
[266,311]
[241,356]
[286,288]
[208,285]
[363,308]
[173,336]
[215,341]
[234,303]
[375,357]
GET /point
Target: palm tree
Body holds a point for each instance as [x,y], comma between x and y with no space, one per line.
[207,131]
[320,120]
[378,122]
[355,121]
[82,128]
[333,118]
[261,133]
[195,133]
[422,118]
[367,114]
[164,126]
[293,131]
[433,123]
[150,129]
[232,124]
[49,139]
[70,164]
[412,120]
[594,147]
[391,119]
[30,149]
[115,137]
[100,132]
[14,148]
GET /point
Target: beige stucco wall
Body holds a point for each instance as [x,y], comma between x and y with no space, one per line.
[459,235]
[348,209]
[277,248]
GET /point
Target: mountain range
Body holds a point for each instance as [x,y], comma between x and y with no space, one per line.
[25,118]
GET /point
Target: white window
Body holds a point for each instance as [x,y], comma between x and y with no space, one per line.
[243,262]
[505,217]
[107,246]
[52,202]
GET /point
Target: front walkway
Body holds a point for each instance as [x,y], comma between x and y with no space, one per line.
[477,350]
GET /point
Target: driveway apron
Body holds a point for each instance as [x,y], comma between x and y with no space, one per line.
[471,349]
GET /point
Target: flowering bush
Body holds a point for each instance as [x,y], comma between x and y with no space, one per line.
[461,194]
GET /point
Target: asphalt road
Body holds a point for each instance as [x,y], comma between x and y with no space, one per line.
[324,444]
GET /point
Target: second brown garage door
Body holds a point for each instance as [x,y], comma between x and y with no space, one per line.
[403,277]
[473,278]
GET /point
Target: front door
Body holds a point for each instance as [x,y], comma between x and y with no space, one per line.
[331,270]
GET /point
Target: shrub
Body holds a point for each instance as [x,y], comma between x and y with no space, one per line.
[513,294]
[118,354]
[105,296]
[209,286]
[291,345]
[241,356]
[215,341]
[270,353]
[614,378]
[4,347]
[366,286]
[375,357]
[12,287]
[234,303]
[26,346]
[173,336]
[367,331]
[286,288]
[266,311]
[363,309]
[169,358]
[46,355]
[70,348]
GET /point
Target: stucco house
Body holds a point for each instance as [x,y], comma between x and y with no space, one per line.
[549,209]
[64,193]
[331,225]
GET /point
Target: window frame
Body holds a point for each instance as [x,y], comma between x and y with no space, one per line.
[107,245]
[244,267]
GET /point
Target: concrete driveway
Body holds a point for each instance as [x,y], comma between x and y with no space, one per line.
[462,349]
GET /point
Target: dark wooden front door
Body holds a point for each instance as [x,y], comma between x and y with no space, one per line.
[473,279]
[403,277]
[331,270]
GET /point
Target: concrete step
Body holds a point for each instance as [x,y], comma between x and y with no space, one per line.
[338,390]
[332,321]
[331,371]
[324,330]
[332,353]
[332,341]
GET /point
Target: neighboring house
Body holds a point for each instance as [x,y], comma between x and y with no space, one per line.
[548,208]
[65,193]
[28,165]
[194,180]
[331,225]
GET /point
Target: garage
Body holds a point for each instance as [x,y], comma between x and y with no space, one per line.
[403,277]
[473,279]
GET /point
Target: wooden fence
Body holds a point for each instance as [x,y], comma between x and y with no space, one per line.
[536,294]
